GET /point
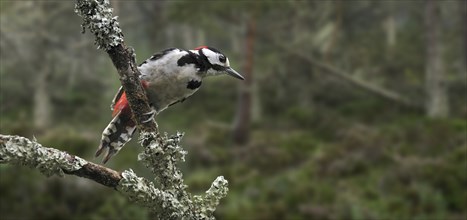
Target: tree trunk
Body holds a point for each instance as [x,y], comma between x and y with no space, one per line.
[42,104]
[390,29]
[463,8]
[170,35]
[241,131]
[256,110]
[116,7]
[187,36]
[328,51]
[200,37]
[436,89]
[42,100]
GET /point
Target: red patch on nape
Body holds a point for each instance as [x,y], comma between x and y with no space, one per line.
[201,47]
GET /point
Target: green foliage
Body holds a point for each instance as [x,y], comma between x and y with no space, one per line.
[67,139]
[361,176]
[59,198]
[117,207]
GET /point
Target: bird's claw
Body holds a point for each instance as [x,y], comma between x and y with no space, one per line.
[151,116]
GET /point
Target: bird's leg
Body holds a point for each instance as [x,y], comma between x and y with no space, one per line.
[151,116]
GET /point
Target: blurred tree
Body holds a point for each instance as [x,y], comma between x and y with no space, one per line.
[58,61]
[390,28]
[463,12]
[116,7]
[334,35]
[42,100]
[237,16]
[241,129]
[437,105]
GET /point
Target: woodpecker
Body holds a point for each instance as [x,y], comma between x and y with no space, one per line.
[168,77]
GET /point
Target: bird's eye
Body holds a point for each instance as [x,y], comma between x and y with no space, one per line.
[222,59]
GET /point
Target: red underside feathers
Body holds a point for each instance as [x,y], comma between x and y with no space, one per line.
[122,104]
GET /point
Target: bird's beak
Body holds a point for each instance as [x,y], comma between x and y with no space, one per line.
[233,73]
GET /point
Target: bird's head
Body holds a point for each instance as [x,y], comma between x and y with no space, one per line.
[218,62]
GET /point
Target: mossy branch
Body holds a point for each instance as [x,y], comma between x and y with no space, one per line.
[16,150]
[166,204]
[98,19]
[161,153]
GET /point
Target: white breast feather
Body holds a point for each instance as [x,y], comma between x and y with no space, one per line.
[167,80]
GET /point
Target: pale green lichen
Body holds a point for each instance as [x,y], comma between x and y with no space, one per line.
[49,161]
[97,18]
[141,191]
[169,202]
[161,155]
[209,202]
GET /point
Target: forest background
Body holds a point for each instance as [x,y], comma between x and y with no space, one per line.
[350,110]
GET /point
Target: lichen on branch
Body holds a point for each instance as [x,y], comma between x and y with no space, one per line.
[161,156]
[169,200]
[173,202]
[97,18]
[209,202]
[161,152]
[49,161]
[143,192]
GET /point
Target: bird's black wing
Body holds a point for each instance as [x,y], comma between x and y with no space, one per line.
[158,55]
[116,97]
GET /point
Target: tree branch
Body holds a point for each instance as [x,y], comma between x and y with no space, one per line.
[98,19]
[22,151]
[98,173]
[166,204]
[161,153]
[382,92]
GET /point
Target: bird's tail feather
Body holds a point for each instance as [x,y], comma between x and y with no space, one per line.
[116,135]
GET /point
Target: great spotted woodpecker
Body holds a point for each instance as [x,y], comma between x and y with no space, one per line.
[168,77]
